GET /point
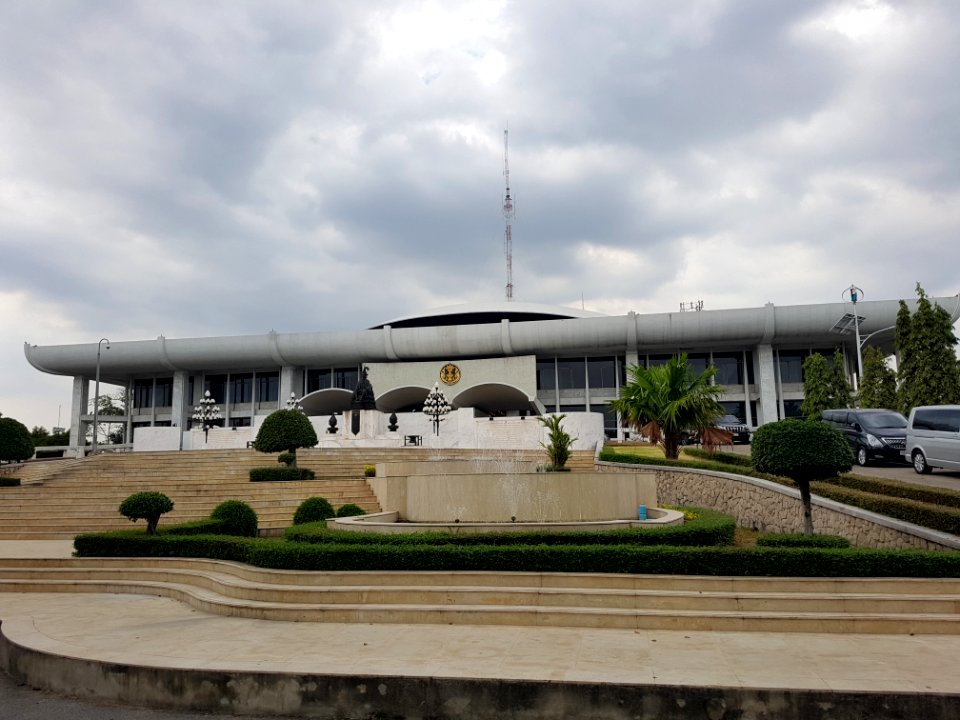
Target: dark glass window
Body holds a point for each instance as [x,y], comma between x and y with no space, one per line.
[655,360]
[698,363]
[241,388]
[735,408]
[609,419]
[939,419]
[791,366]
[268,387]
[346,378]
[729,369]
[749,361]
[190,383]
[163,423]
[163,392]
[571,374]
[216,385]
[546,377]
[240,422]
[602,372]
[753,411]
[791,408]
[143,393]
[573,408]
[318,380]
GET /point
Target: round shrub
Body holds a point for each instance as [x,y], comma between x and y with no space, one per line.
[148,506]
[285,430]
[313,509]
[16,444]
[802,450]
[350,510]
[369,470]
[237,518]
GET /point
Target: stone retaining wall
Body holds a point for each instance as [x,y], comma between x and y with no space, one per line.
[769,507]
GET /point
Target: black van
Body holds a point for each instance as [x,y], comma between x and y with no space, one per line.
[873,434]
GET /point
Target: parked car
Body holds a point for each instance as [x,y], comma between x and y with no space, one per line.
[873,434]
[732,424]
[933,438]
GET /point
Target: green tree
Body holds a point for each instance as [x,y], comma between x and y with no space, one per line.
[667,400]
[16,445]
[285,430]
[110,406]
[804,451]
[148,506]
[878,388]
[837,382]
[560,442]
[816,386]
[928,371]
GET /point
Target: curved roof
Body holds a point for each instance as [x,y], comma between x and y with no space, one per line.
[487,312]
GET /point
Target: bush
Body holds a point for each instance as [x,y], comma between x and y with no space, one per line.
[9,482]
[313,509]
[944,519]
[285,430]
[280,474]
[16,444]
[801,450]
[798,540]
[558,449]
[350,510]
[727,458]
[236,518]
[147,505]
[287,458]
[369,470]
[126,543]
[893,488]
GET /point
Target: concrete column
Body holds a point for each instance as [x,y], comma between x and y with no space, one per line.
[182,405]
[78,408]
[291,381]
[767,380]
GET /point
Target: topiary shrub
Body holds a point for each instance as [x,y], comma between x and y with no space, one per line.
[286,458]
[237,518]
[148,506]
[313,509]
[281,474]
[804,451]
[369,470]
[285,430]
[16,444]
[350,510]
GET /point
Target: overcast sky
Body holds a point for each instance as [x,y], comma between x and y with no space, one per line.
[203,168]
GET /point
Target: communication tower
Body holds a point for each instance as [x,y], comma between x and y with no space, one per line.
[508,217]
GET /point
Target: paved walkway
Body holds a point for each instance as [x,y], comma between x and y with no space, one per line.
[154,631]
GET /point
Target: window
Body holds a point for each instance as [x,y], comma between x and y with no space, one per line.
[733,407]
[791,366]
[941,420]
[241,388]
[318,380]
[143,393]
[216,385]
[602,372]
[791,408]
[609,419]
[346,378]
[654,360]
[240,422]
[571,374]
[163,392]
[698,363]
[268,387]
[729,369]
[546,377]
[582,407]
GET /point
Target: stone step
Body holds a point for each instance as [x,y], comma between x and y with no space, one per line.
[517,599]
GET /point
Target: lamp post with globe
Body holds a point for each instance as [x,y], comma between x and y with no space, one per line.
[436,407]
[206,413]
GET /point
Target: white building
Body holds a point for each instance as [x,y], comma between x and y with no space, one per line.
[501,360]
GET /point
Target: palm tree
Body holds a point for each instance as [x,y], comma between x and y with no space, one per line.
[665,401]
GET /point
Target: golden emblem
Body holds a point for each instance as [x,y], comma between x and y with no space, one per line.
[450,374]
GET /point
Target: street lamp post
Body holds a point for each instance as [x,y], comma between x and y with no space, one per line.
[436,407]
[294,404]
[855,294]
[96,394]
[206,413]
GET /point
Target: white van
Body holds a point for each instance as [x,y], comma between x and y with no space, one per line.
[933,438]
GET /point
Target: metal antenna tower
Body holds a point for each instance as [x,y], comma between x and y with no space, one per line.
[508,216]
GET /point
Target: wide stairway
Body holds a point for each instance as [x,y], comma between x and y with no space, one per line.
[736,604]
[61,499]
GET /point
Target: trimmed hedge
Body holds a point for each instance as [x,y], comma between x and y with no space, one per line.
[280,474]
[135,543]
[893,488]
[627,459]
[711,528]
[195,527]
[944,519]
[800,540]
[9,482]
[727,458]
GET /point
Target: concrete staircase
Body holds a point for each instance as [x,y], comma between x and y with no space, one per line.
[735,604]
[60,499]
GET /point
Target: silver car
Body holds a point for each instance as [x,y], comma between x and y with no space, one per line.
[933,438]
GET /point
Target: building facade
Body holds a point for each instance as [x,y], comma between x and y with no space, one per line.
[502,359]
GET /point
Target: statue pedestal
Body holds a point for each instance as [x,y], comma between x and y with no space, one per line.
[361,424]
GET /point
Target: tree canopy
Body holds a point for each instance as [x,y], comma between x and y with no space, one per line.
[667,400]
[825,385]
[16,445]
[285,430]
[878,388]
[928,371]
